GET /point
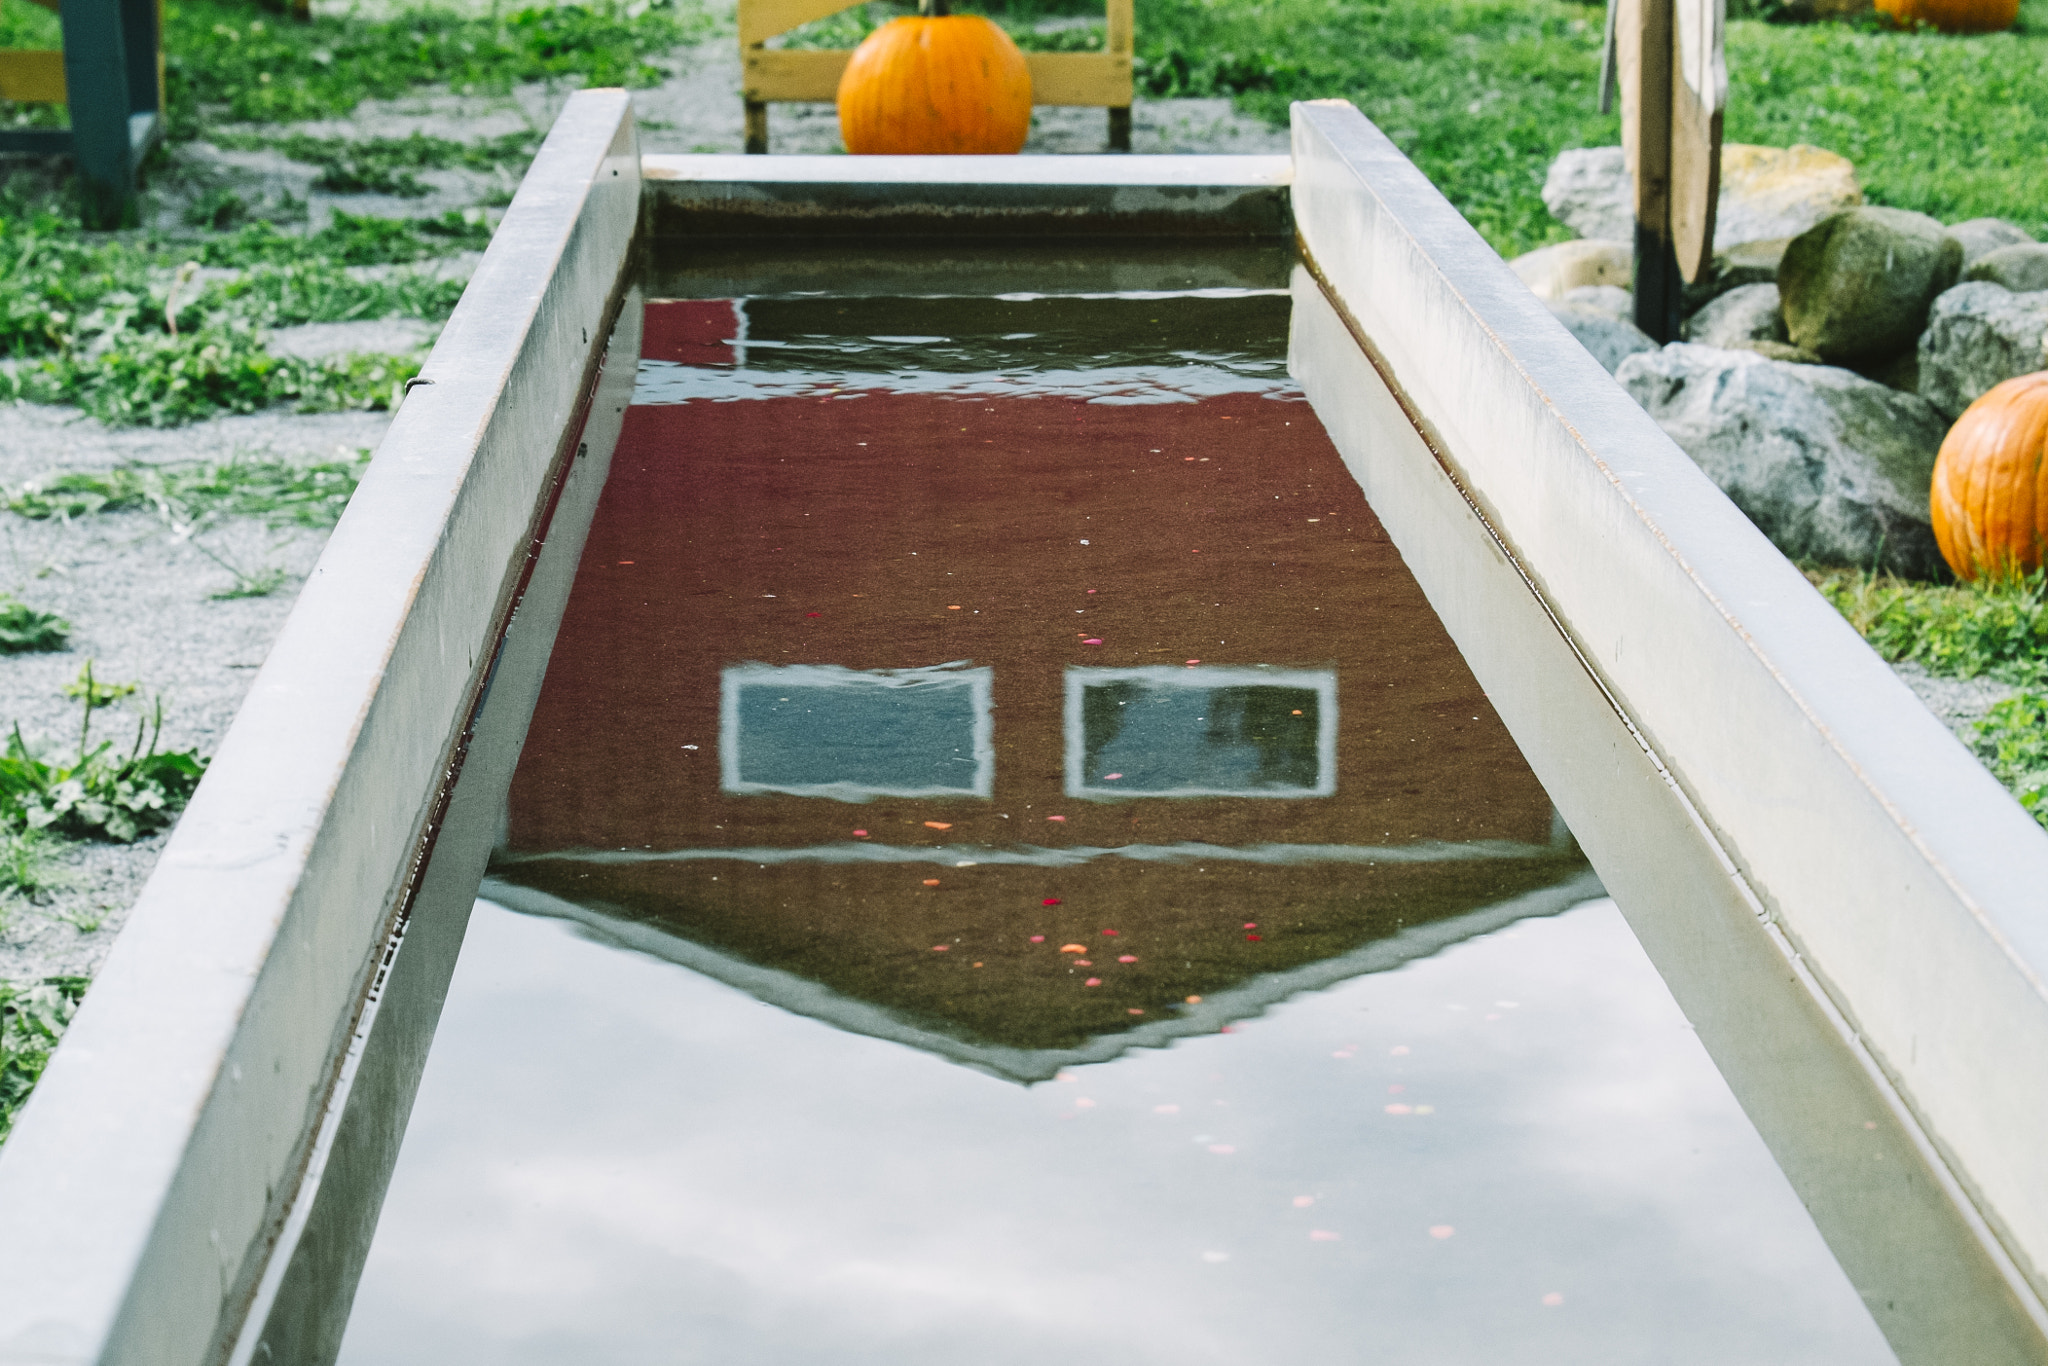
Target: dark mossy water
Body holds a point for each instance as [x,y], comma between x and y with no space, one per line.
[1007,867]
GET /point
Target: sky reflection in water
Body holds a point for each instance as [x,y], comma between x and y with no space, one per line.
[615,1160]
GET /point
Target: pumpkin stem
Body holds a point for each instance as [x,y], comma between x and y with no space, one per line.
[933,9]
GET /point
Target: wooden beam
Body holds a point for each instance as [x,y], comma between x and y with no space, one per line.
[1089,79]
[29,77]
[760,20]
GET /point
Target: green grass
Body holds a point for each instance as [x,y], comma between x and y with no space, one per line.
[27,630]
[386,165]
[1996,631]
[2012,740]
[283,493]
[1484,94]
[100,793]
[246,65]
[33,1017]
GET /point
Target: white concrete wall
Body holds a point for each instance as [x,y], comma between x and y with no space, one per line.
[149,1171]
[1742,769]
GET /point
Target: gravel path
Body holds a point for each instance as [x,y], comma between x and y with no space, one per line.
[140,601]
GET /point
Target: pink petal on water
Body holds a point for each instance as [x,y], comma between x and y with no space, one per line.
[1166,1109]
[860,834]
[1051,900]
[1134,1011]
[1127,958]
[1092,640]
[941,948]
[1441,1231]
[1303,1201]
[1323,1235]
[1399,1050]
[1398,1109]
[1553,1299]
[1110,933]
[1110,777]
[1193,662]
[1038,939]
[1092,982]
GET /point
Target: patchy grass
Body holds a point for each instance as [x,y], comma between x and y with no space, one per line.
[231,61]
[386,165]
[28,865]
[2012,740]
[1956,630]
[281,492]
[33,1017]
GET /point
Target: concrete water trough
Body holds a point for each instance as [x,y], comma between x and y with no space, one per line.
[1846,906]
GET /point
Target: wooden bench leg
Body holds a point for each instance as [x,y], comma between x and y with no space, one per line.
[1119,128]
[96,91]
[757,127]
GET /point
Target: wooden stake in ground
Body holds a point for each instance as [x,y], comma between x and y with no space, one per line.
[1674,83]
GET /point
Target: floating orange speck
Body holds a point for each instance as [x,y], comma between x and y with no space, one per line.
[938,825]
[1073,948]
[931,882]
[952,607]
[1194,1000]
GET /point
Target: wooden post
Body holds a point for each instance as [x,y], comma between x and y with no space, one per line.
[1673,84]
[96,73]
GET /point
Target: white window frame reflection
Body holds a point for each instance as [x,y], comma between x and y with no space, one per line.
[976,683]
[1323,682]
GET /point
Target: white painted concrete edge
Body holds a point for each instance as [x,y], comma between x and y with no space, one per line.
[1117,171]
[147,1173]
[1905,876]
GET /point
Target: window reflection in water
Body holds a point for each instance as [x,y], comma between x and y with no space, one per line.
[824,731]
[1201,732]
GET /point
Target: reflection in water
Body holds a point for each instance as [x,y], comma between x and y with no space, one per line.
[1198,732]
[1055,1046]
[821,731]
[1511,1152]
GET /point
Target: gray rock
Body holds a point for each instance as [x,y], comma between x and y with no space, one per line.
[1856,287]
[1981,236]
[1611,340]
[1777,350]
[1829,465]
[1587,189]
[1612,300]
[1979,335]
[2021,268]
[1744,314]
[1745,263]
[1766,192]
[1552,272]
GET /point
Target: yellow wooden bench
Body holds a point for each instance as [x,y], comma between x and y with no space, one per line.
[785,75]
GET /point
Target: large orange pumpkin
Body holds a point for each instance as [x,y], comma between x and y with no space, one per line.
[1954,16]
[936,83]
[1990,492]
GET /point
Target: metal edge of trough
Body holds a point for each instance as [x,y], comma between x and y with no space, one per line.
[1817,824]
[147,1176]
[1037,198]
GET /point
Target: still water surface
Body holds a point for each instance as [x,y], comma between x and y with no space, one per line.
[1007,867]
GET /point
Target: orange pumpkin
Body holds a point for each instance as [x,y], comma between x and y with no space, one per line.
[1990,493]
[1953,16]
[936,83]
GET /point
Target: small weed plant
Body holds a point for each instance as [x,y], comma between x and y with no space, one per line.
[28,865]
[27,630]
[100,794]
[33,1017]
